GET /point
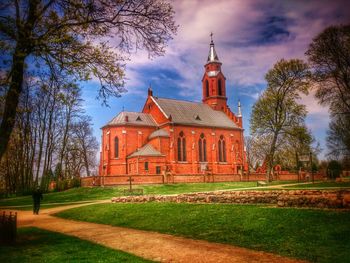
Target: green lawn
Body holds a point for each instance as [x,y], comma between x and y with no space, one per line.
[36,245]
[318,185]
[71,195]
[99,193]
[315,235]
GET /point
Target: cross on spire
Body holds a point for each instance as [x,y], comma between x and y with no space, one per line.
[213,57]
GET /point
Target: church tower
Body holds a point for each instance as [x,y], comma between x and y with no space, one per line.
[214,81]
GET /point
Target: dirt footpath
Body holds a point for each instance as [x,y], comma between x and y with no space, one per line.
[146,244]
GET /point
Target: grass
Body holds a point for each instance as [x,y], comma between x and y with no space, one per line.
[71,195]
[83,194]
[319,185]
[36,245]
[315,235]
[99,193]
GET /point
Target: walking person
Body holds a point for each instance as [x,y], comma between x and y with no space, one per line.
[37,197]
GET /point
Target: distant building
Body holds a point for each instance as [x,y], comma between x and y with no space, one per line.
[185,138]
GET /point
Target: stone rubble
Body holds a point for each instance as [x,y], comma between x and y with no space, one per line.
[280,198]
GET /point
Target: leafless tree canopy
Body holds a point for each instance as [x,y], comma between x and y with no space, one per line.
[52,139]
[83,39]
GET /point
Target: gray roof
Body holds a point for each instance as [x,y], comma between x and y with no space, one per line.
[134,118]
[146,150]
[159,133]
[194,113]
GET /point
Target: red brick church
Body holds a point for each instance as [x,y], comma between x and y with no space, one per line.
[180,137]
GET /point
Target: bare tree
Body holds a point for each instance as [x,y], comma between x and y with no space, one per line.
[50,131]
[72,36]
[86,142]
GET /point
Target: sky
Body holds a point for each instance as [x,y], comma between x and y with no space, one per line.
[249,36]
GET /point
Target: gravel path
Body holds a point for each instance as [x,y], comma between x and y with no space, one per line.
[146,244]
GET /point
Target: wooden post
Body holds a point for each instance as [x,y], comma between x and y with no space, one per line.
[130,186]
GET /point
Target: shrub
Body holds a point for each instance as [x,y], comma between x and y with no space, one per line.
[334,169]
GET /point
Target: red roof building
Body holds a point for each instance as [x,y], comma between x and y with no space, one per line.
[185,138]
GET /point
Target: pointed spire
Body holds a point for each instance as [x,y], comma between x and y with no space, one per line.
[212,57]
[239,109]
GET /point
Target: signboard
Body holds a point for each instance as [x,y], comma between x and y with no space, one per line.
[304,158]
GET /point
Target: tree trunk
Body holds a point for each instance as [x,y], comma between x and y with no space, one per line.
[270,157]
[86,161]
[64,141]
[12,99]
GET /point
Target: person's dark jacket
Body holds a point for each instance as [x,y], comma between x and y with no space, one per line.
[37,196]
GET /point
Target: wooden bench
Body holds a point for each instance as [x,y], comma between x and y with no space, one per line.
[261,183]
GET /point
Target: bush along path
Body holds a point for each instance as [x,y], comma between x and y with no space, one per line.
[146,244]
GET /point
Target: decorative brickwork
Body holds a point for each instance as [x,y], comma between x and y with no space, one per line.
[180,137]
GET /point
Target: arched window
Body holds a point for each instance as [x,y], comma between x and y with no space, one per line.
[116,147]
[207,88]
[219,88]
[238,152]
[202,148]
[181,147]
[222,149]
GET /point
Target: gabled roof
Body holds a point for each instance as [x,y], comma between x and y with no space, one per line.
[132,118]
[194,113]
[159,133]
[146,150]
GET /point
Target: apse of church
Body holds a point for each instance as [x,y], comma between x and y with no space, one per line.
[175,136]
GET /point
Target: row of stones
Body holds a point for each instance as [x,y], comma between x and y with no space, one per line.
[281,198]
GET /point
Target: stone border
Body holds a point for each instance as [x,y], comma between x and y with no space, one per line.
[281,198]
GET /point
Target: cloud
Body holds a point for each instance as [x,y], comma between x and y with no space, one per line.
[250,37]
[318,115]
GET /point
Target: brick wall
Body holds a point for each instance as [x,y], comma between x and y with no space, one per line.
[158,179]
[137,179]
[89,181]
[153,178]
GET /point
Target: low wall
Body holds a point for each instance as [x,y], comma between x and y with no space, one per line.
[157,179]
[284,176]
[136,179]
[188,178]
[281,198]
[90,181]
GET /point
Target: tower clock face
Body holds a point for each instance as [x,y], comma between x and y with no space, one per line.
[212,73]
